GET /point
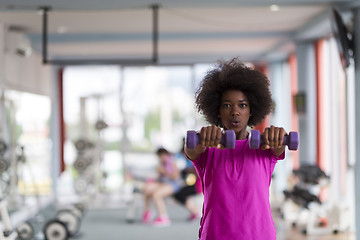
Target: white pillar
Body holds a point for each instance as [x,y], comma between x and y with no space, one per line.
[55,133]
[357,117]
[2,54]
[279,76]
[305,53]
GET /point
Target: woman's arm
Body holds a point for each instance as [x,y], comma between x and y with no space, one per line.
[194,154]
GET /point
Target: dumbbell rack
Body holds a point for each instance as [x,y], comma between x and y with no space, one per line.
[89,152]
[66,223]
[7,232]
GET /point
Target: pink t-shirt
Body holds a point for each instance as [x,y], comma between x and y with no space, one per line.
[236,193]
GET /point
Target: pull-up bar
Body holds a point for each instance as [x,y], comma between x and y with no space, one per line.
[121,61]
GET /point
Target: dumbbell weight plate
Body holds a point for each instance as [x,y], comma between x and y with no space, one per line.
[71,221]
[55,230]
[254,139]
[100,125]
[25,231]
[293,143]
[77,212]
[228,139]
[4,186]
[80,145]
[81,207]
[81,185]
[191,139]
[80,164]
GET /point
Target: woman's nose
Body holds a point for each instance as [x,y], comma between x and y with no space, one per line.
[235,112]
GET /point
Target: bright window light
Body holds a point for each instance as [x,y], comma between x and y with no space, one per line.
[274,8]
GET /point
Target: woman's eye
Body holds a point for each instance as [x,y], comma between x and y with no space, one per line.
[243,105]
[227,105]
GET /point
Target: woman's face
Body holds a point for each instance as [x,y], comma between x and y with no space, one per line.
[235,111]
[163,157]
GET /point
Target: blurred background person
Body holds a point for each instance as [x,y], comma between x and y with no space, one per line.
[169,183]
[191,188]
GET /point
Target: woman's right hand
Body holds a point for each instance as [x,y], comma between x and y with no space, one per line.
[209,136]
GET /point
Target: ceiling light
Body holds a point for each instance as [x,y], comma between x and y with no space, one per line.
[274,8]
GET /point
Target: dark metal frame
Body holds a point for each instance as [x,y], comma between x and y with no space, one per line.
[111,61]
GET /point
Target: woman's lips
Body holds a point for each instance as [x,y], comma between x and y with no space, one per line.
[235,123]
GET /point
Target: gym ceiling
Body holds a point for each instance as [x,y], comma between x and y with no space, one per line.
[188,31]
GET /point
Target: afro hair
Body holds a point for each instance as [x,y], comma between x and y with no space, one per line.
[234,75]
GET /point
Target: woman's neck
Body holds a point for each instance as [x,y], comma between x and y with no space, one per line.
[242,135]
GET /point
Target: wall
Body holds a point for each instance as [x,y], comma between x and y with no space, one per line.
[21,68]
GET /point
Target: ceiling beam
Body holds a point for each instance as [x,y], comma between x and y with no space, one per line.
[86,5]
[316,28]
[86,61]
[126,37]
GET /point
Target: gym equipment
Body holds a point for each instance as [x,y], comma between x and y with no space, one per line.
[4,165]
[77,212]
[6,231]
[301,196]
[81,184]
[291,140]
[79,209]
[228,139]
[71,221]
[310,174]
[83,144]
[4,184]
[25,231]
[3,147]
[66,223]
[55,230]
[305,195]
[100,125]
[134,205]
[81,163]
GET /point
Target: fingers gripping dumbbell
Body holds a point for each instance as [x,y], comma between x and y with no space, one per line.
[291,140]
[227,140]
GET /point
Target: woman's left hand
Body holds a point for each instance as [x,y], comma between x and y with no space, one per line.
[273,139]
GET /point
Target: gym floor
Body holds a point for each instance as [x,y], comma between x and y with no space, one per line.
[110,224]
[106,220]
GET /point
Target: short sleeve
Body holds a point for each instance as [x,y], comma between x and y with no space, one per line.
[276,158]
[200,162]
[200,158]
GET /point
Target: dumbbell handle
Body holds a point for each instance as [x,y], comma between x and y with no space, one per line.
[291,140]
[227,140]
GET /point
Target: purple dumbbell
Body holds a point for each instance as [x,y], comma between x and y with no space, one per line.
[291,140]
[228,139]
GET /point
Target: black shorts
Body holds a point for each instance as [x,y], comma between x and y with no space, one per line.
[184,193]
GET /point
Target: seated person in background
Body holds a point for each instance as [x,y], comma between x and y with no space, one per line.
[169,183]
[191,188]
